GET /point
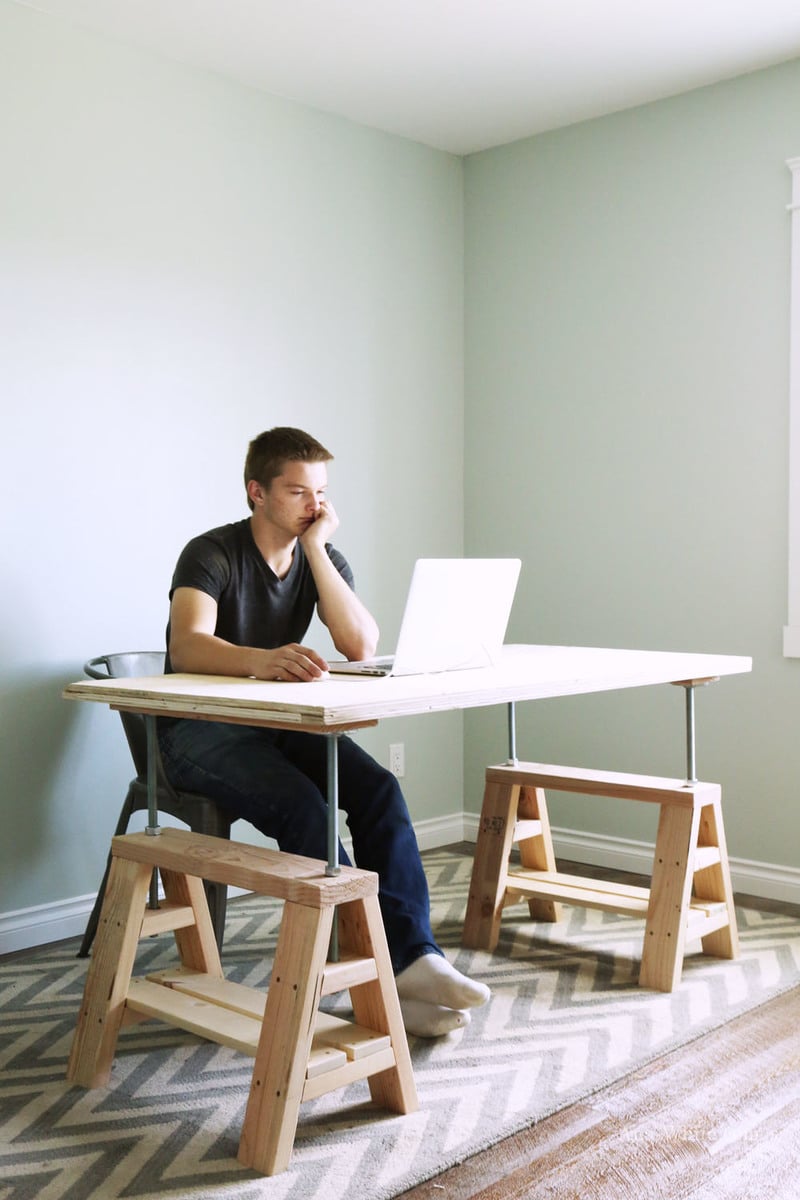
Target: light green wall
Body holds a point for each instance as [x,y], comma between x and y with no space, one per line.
[183,263]
[626,416]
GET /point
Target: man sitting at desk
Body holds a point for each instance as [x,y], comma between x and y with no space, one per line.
[241,601]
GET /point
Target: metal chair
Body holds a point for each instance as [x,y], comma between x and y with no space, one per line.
[200,813]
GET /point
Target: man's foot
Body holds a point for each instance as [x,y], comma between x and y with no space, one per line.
[431,978]
[431,1020]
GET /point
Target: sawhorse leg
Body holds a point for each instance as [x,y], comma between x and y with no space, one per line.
[376,1005]
[487,887]
[690,866]
[109,974]
[276,1089]
[670,893]
[714,881]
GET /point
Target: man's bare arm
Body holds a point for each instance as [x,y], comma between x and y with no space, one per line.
[351,625]
[194,647]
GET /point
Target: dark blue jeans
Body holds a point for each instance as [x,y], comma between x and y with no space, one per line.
[276,779]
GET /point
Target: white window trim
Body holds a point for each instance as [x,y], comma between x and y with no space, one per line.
[791,632]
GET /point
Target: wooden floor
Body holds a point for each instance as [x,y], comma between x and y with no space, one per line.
[716,1120]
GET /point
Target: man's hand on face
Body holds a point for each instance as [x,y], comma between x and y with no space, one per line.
[323,527]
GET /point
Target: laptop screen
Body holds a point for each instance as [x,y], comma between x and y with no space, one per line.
[455,617]
[456,614]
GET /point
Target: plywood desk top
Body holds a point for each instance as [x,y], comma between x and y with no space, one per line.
[523,672]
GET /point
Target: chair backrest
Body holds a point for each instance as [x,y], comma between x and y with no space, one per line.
[131,663]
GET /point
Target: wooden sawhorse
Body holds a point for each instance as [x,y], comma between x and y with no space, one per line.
[690,894]
[299,1052]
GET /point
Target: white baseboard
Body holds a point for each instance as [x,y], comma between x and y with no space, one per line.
[30,927]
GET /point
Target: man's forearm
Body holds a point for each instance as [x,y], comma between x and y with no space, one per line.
[205,654]
[351,625]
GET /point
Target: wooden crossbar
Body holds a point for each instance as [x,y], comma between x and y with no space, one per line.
[232,1015]
[613,784]
[354,1040]
[253,868]
[166,918]
[575,889]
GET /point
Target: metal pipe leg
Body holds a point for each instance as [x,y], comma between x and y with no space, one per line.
[690,685]
[333,804]
[691,767]
[333,867]
[152,781]
[512,735]
[152,797]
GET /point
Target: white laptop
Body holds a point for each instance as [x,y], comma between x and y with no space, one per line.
[455,618]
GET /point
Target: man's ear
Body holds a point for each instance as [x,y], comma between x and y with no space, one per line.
[256,491]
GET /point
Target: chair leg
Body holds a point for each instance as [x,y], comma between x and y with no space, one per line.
[215,825]
[217,897]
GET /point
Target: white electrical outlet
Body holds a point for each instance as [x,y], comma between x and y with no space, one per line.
[397,759]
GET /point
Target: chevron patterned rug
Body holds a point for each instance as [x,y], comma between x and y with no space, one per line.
[565,1019]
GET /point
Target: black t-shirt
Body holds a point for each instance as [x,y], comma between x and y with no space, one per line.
[254,607]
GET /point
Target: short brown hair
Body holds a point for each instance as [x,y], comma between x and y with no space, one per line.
[268,452]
